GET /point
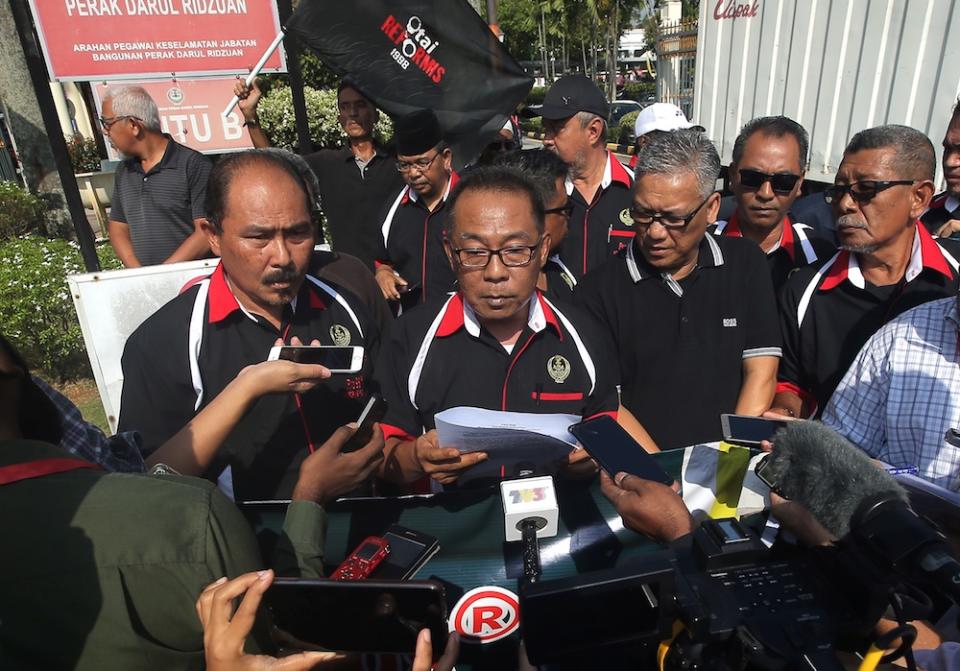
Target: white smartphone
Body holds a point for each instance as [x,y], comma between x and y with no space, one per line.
[748,430]
[336,359]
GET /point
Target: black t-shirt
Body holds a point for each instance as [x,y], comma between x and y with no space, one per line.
[352,199]
[439,357]
[412,242]
[598,229]
[681,345]
[799,246]
[943,208]
[560,281]
[184,354]
[828,311]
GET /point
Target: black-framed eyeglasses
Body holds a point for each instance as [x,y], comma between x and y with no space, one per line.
[566,209]
[781,182]
[514,256]
[421,164]
[107,122]
[862,192]
[667,220]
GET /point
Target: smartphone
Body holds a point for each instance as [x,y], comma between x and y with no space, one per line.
[748,430]
[615,451]
[357,616]
[763,472]
[373,412]
[363,560]
[409,551]
[336,359]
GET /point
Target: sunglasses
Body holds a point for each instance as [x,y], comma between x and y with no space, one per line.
[861,192]
[782,182]
[566,209]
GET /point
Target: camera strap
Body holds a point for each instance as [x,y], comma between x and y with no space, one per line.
[41,468]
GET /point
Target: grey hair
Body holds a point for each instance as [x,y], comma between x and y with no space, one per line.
[134,101]
[586,117]
[681,151]
[914,156]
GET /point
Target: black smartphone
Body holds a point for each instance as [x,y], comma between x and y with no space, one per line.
[615,451]
[747,429]
[357,616]
[409,551]
[373,412]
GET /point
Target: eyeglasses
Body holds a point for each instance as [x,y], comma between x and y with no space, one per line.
[566,209]
[513,256]
[421,164]
[862,192]
[667,220]
[107,122]
[782,182]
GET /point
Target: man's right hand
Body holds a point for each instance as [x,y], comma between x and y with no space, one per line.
[650,508]
[249,98]
[443,464]
[390,282]
[327,473]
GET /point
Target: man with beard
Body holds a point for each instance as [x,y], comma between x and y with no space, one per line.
[943,217]
[159,190]
[355,180]
[260,222]
[887,264]
[575,116]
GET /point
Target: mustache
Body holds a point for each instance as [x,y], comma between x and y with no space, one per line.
[851,221]
[281,275]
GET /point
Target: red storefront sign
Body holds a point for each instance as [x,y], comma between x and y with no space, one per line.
[190,110]
[124,39]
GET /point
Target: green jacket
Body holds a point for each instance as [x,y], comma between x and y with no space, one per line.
[102,570]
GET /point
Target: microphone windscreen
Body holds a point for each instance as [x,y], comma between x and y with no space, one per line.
[820,469]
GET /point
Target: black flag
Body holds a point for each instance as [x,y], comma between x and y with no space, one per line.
[413,54]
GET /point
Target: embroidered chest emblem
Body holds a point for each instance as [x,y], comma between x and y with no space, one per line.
[625,218]
[340,335]
[558,368]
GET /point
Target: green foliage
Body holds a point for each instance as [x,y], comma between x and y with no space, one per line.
[535,97]
[639,91]
[83,154]
[36,308]
[625,128]
[314,73]
[278,121]
[534,125]
[21,212]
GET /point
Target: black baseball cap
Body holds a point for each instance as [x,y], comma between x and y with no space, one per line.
[571,94]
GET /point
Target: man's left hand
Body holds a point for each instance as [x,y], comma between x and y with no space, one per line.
[650,508]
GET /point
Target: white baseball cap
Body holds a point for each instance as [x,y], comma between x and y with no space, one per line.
[661,116]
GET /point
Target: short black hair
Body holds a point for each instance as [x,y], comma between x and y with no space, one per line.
[541,166]
[228,167]
[495,179]
[348,83]
[38,417]
[914,156]
[774,126]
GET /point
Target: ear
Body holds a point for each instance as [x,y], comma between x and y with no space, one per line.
[713,207]
[448,250]
[922,194]
[544,250]
[595,130]
[213,237]
[447,159]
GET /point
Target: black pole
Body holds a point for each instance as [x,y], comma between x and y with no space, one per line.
[292,46]
[51,123]
[492,12]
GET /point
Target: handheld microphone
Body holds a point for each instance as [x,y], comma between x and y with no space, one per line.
[530,512]
[818,468]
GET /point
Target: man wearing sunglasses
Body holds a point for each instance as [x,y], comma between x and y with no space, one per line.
[160,188]
[693,316]
[497,343]
[887,264]
[943,217]
[766,174]
[412,267]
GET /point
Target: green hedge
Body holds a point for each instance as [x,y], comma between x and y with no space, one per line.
[627,122]
[535,97]
[21,212]
[639,91]
[279,123]
[36,309]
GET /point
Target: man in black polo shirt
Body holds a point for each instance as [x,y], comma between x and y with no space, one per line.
[766,175]
[693,316]
[412,266]
[497,343]
[887,264]
[178,360]
[355,181]
[943,216]
[575,116]
[160,189]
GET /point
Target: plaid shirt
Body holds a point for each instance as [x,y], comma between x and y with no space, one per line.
[117,453]
[902,393]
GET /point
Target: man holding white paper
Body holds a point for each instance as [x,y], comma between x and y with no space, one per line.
[497,343]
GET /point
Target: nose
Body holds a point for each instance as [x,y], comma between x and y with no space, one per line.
[845,204]
[495,270]
[280,253]
[765,192]
[951,159]
[657,230]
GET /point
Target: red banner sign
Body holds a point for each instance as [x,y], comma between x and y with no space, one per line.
[190,111]
[114,39]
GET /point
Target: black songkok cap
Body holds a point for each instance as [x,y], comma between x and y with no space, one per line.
[417,132]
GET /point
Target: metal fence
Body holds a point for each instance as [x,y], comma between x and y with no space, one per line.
[676,64]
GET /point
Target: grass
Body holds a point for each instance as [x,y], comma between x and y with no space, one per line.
[84,394]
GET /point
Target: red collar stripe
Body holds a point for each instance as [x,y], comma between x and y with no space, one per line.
[838,271]
[617,172]
[221,301]
[931,254]
[452,317]
[42,467]
[787,239]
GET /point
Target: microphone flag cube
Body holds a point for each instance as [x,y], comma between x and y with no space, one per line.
[529,498]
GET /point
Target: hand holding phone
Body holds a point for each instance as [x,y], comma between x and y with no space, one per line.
[747,429]
[335,359]
[373,412]
[616,451]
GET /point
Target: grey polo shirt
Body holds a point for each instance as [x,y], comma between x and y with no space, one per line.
[160,206]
